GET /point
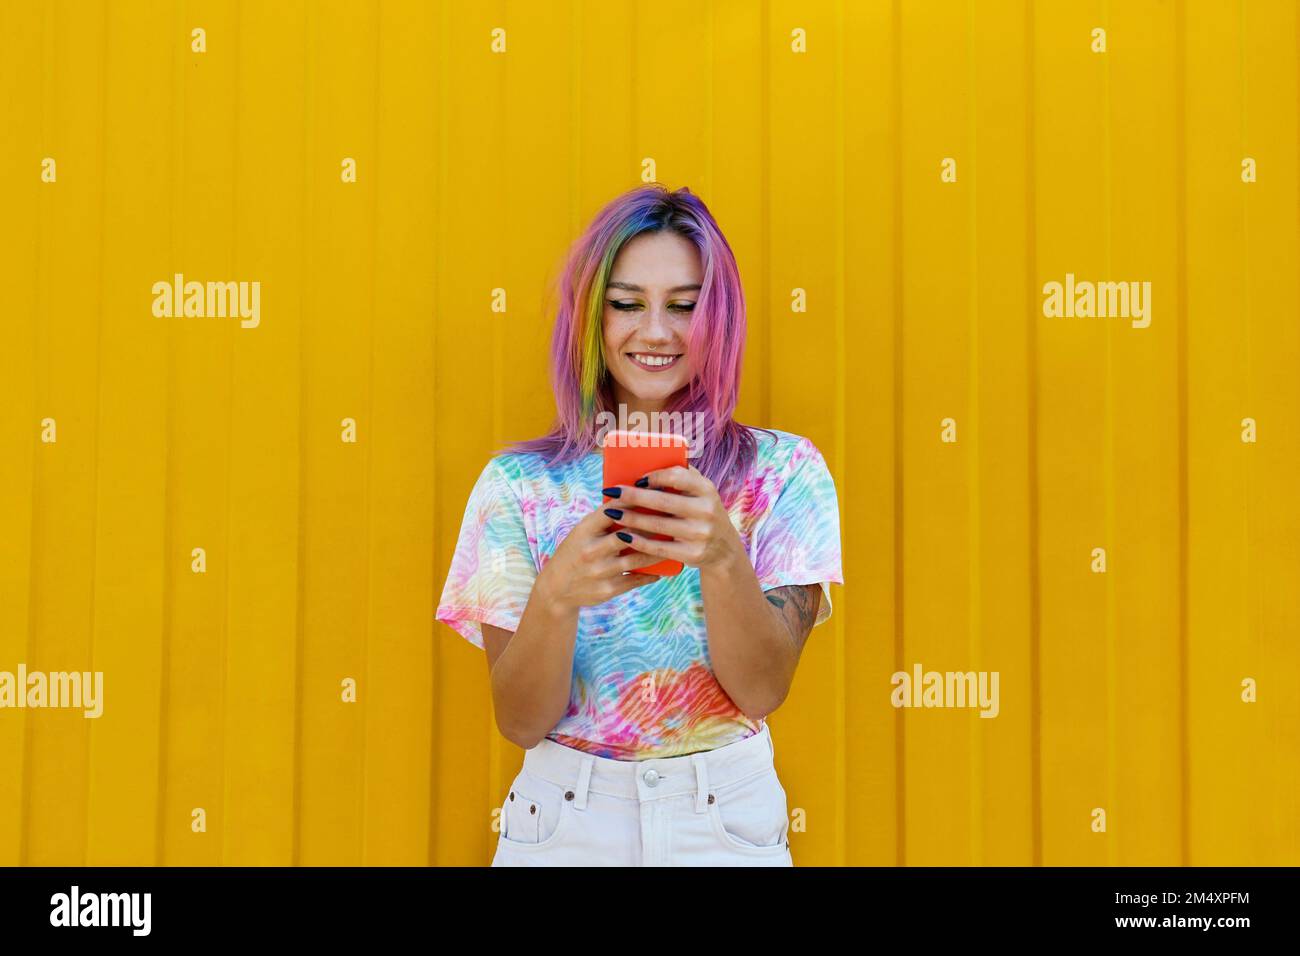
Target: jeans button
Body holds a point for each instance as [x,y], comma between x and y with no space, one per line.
[651,778]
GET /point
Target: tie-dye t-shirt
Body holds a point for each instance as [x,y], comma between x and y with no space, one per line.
[643,684]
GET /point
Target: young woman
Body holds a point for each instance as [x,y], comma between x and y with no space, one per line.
[640,700]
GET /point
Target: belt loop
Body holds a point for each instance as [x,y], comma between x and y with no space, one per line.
[702,782]
[584,779]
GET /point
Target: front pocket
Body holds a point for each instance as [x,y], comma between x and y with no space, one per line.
[523,819]
[752,815]
[535,812]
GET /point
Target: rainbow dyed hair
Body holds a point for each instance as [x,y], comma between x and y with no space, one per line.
[715,340]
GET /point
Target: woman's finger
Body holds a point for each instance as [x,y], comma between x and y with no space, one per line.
[681,505]
[630,562]
[619,563]
[687,480]
[612,544]
[652,524]
[656,549]
[596,522]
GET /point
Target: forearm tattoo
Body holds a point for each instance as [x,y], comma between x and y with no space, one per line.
[798,604]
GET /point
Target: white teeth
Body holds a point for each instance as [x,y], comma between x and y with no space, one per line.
[656,359]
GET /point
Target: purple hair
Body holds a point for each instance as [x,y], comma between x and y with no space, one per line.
[715,342]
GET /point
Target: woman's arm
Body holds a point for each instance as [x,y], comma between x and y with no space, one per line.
[530,670]
[754,639]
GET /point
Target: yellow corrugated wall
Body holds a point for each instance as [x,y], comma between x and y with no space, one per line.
[817,132]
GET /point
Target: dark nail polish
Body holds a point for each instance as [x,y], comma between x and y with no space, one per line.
[624,536]
[611,492]
[643,482]
[614,513]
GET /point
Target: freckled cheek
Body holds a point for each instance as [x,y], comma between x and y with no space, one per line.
[609,327]
[617,330]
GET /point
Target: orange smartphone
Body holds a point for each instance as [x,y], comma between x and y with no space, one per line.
[628,456]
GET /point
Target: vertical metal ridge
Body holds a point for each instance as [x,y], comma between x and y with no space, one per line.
[972,446]
[304,311]
[164,668]
[1108,458]
[25,745]
[1181,336]
[576,20]
[633,114]
[1294,810]
[1035,584]
[494,745]
[1252,622]
[765,204]
[99,424]
[231,330]
[900,730]
[439,222]
[709,105]
[841,445]
[370,425]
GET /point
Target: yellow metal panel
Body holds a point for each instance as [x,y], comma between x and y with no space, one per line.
[21,398]
[262,656]
[1072,440]
[226,685]
[338,342]
[1146,817]
[938,764]
[1241,361]
[802,375]
[1003,308]
[399,727]
[68,366]
[1271,125]
[138,402]
[473,233]
[868,799]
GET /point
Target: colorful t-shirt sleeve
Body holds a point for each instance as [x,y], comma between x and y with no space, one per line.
[492,570]
[799,540]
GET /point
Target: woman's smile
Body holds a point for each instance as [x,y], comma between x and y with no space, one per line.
[653,361]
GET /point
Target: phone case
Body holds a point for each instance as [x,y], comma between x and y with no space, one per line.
[628,456]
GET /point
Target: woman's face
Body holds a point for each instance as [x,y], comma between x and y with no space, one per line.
[648,303]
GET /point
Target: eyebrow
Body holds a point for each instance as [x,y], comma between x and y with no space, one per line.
[633,287]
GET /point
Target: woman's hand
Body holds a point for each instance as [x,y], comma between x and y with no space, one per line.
[586,569]
[702,532]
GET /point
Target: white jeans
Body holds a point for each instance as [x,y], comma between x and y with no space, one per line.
[722,807]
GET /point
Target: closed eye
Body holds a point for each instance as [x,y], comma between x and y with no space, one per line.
[632,306]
